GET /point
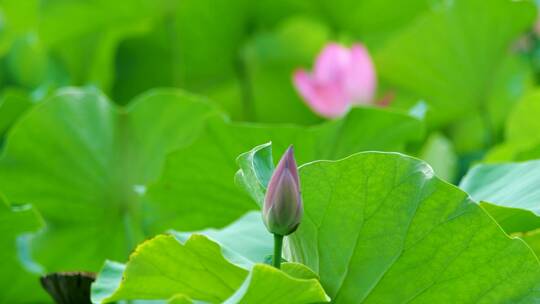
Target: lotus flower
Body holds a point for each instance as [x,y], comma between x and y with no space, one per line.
[341,77]
[283,208]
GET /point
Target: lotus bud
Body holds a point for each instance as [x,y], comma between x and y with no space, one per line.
[341,78]
[283,208]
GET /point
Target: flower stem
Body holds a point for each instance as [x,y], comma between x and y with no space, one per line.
[278,244]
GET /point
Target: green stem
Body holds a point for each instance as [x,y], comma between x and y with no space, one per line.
[278,244]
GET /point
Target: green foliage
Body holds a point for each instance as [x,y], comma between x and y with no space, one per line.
[246,236]
[84,163]
[450,55]
[90,179]
[198,263]
[268,63]
[509,185]
[16,280]
[13,104]
[522,140]
[79,159]
[373,20]
[186,172]
[511,194]
[439,153]
[163,267]
[44,49]
[399,234]
[256,168]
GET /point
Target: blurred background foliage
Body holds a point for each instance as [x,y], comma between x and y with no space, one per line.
[468,60]
[475,65]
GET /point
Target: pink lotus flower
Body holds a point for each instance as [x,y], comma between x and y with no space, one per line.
[341,77]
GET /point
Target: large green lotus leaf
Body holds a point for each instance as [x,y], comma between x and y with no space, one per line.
[511,194]
[163,267]
[404,226]
[79,159]
[381,228]
[451,55]
[196,189]
[17,284]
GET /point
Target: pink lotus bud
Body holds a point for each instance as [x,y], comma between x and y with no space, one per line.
[341,77]
[283,208]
